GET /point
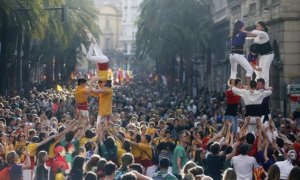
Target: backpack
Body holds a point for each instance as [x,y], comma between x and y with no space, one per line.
[5,173]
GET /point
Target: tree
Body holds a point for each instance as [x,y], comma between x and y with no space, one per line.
[174,28]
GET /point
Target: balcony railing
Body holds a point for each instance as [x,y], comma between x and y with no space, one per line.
[221,14]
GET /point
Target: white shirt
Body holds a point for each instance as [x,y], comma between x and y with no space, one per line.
[285,168]
[261,37]
[252,98]
[243,166]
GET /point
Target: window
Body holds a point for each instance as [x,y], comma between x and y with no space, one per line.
[252,8]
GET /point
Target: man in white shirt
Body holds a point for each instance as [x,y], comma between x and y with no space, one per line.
[243,164]
[286,166]
[252,99]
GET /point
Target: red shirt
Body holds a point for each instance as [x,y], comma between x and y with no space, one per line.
[232,98]
[59,163]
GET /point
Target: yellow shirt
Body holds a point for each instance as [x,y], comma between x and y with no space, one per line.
[146,151]
[18,145]
[31,148]
[120,153]
[136,152]
[84,140]
[105,101]
[150,131]
[59,176]
[169,140]
[51,149]
[81,94]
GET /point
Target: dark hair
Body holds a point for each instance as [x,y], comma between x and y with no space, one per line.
[274,172]
[77,166]
[109,168]
[209,145]
[69,136]
[250,138]
[261,80]
[127,159]
[264,25]
[137,138]
[244,148]
[294,174]
[88,146]
[195,171]
[127,146]
[215,148]
[238,24]
[148,137]
[90,176]
[253,84]
[129,176]
[110,142]
[108,83]
[280,142]
[237,81]
[35,139]
[81,81]
[137,167]
[89,134]
[164,163]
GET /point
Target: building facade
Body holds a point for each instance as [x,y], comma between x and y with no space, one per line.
[130,13]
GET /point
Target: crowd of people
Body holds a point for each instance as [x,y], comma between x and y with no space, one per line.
[153,136]
[139,131]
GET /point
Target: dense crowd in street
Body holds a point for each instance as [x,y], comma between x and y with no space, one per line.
[155,135]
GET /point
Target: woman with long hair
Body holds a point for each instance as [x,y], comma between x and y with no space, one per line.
[237,52]
[41,172]
[274,173]
[264,50]
[77,168]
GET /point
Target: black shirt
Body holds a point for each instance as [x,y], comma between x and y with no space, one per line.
[214,164]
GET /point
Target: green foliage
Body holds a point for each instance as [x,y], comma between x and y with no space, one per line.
[36,22]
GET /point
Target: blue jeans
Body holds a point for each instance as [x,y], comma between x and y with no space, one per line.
[234,125]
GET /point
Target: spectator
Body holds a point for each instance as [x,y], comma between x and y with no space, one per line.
[163,172]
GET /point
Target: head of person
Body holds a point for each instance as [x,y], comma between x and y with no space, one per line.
[101,83]
[164,163]
[127,159]
[253,84]
[110,142]
[90,176]
[260,83]
[215,148]
[250,138]
[12,157]
[146,138]
[195,171]
[291,155]
[189,165]
[183,137]
[78,163]
[42,157]
[129,176]
[244,149]
[262,26]
[110,168]
[60,151]
[81,82]
[229,174]
[238,83]
[274,172]
[294,174]
[136,167]
[238,26]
